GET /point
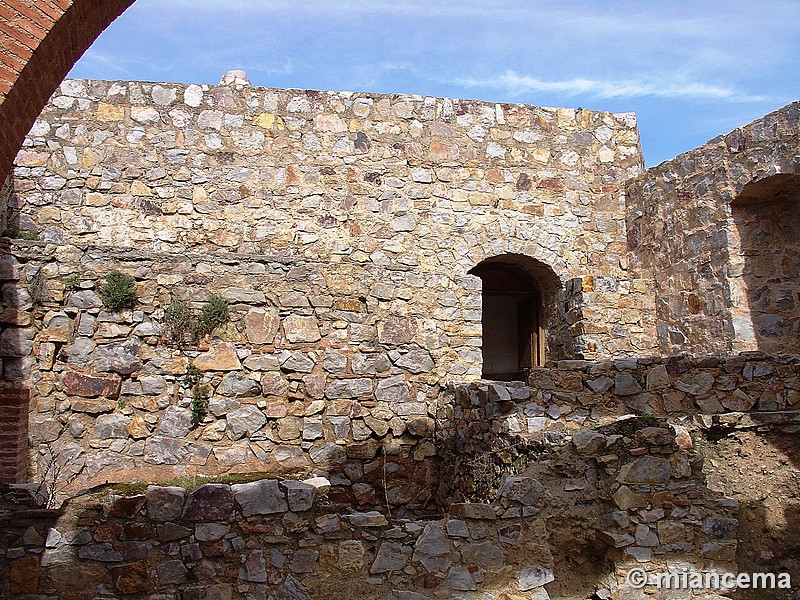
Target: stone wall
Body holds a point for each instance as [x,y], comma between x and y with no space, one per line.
[701,227]
[340,227]
[312,372]
[572,524]
[552,489]
[722,438]
[489,430]
[493,418]
[432,185]
[286,538]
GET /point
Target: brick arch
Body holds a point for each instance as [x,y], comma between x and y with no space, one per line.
[40,41]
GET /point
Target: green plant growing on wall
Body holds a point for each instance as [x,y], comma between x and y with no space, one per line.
[199,392]
[178,321]
[72,282]
[21,234]
[119,291]
[213,314]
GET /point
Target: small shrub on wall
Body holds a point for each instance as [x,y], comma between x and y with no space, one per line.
[213,314]
[179,321]
[119,291]
[182,324]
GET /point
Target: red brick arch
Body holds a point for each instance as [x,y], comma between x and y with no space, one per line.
[40,40]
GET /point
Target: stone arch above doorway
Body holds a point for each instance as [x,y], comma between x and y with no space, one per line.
[519,301]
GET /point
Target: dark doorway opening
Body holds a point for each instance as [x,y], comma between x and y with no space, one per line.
[765,262]
[513,340]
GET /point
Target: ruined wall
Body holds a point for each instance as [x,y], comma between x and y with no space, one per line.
[551,489]
[310,374]
[708,484]
[492,429]
[588,507]
[718,260]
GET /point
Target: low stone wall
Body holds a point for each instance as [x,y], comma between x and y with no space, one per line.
[603,501]
[489,429]
[268,538]
[633,490]
[577,394]
[564,512]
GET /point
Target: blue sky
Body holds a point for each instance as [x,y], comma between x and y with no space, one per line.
[689,69]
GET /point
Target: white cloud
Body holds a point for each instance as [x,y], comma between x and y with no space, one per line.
[516,84]
[114,64]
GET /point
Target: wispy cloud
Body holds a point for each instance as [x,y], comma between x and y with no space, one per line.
[516,84]
[115,64]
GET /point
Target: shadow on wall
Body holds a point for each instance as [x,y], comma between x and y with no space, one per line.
[765,262]
[16,342]
[768,497]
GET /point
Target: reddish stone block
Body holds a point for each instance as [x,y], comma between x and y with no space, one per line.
[23,574]
[87,386]
[127,507]
[137,531]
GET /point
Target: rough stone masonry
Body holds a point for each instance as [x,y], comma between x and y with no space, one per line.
[341,230]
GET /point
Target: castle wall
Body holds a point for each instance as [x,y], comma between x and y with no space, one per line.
[564,509]
[436,185]
[717,251]
[340,227]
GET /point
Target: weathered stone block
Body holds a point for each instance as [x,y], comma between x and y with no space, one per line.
[646,470]
[696,385]
[246,420]
[209,502]
[300,495]
[626,385]
[397,330]
[587,441]
[111,426]
[524,490]
[367,519]
[348,388]
[171,572]
[299,329]
[534,576]
[238,385]
[122,358]
[260,497]
[88,386]
[164,504]
[176,422]
[392,556]
[221,357]
[392,390]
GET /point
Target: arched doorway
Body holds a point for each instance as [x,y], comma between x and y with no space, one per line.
[512,321]
[765,260]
